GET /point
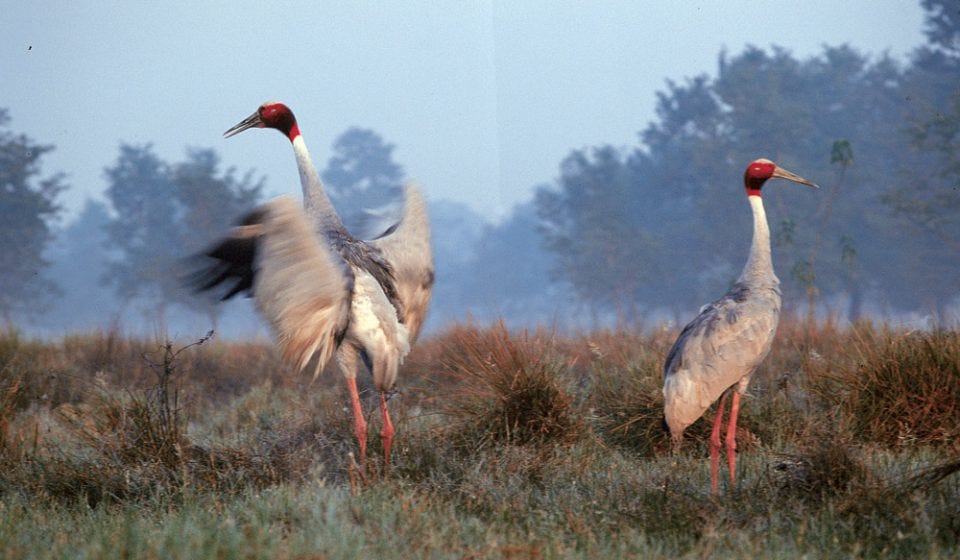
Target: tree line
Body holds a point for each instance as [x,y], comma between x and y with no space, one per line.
[664,223]
[621,234]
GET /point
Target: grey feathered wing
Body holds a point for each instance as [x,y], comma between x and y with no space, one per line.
[406,246]
[301,287]
[719,348]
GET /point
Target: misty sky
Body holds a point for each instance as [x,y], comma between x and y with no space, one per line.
[482,99]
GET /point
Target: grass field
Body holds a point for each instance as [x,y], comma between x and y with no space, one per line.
[509,445]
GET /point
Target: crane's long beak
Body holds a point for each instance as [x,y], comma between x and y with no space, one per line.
[784,174]
[253,121]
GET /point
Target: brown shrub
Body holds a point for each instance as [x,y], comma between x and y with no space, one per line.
[499,387]
[897,389]
[626,394]
[824,466]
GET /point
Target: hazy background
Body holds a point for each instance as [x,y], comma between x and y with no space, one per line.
[482,99]
[483,104]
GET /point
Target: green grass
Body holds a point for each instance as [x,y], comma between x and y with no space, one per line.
[509,445]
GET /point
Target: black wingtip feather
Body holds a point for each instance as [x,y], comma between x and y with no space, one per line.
[229,262]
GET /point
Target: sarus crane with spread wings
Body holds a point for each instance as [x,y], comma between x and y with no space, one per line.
[323,291]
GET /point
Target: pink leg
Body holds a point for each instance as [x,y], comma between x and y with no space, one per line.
[715,448]
[359,423]
[386,434]
[732,438]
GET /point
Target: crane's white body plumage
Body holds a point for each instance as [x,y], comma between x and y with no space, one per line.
[375,328]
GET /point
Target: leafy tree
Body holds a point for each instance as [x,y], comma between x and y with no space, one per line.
[943,24]
[674,207]
[931,200]
[163,213]
[362,174]
[589,223]
[145,228]
[508,274]
[926,196]
[27,207]
[78,257]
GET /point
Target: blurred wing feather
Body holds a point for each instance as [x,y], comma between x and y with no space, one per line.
[301,286]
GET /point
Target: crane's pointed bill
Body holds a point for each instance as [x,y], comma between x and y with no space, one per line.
[253,121]
[784,174]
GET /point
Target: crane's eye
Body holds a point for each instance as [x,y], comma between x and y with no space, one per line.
[267,114]
[760,171]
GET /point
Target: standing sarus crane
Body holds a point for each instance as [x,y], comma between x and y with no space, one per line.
[323,291]
[719,350]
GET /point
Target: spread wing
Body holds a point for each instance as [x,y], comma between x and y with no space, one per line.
[300,285]
[406,246]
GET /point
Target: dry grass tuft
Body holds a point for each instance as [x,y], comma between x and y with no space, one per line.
[505,388]
[10,443]
[132,444]
[824,467]
[508,443]
[626,393]
[899,390]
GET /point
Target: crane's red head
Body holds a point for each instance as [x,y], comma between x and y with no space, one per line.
[271,114]
[760,170]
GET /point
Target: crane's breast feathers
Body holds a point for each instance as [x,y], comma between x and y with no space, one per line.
[368,258]
[376,328]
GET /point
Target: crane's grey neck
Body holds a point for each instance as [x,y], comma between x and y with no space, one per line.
[759,267]
[315,199]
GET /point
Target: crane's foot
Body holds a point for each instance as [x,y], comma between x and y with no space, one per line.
[386,434]
[715,448]
[355,474]
[359,422]
[731,440]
